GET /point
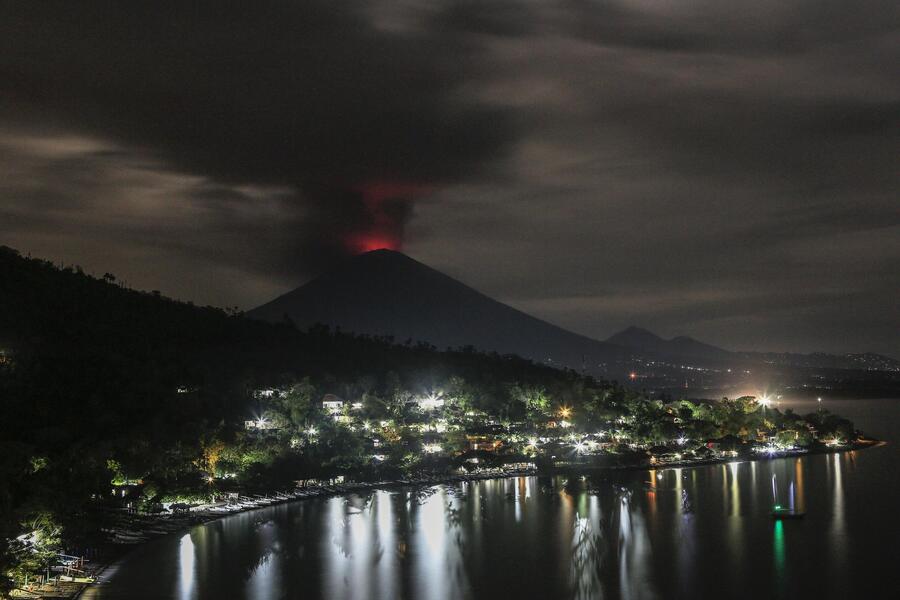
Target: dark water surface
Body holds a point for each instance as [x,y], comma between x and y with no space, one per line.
[628,536]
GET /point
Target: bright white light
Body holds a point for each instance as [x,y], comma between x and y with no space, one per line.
[682,441]
[581,447]
[186,562]
[765,401]
[312,431]
[564,424]
[431,402]
[532,442]
[432,448]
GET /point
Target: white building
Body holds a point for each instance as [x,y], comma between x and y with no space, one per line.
[332,404]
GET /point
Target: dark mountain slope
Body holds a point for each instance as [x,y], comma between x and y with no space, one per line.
[387,293]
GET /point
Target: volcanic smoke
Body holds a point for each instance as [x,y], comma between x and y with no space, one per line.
[386,208]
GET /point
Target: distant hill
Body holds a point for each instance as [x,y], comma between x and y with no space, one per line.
[388,293]
[680,347]
[686,348]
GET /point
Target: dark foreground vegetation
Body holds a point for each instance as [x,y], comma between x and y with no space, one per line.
[116,399]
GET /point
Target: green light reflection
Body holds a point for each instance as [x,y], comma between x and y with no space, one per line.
[778,549]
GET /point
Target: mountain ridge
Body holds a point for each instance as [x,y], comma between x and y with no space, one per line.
[387,293]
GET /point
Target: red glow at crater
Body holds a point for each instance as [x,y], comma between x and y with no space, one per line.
[367,243]
[387,206]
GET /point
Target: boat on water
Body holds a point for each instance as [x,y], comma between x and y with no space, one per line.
[782,512]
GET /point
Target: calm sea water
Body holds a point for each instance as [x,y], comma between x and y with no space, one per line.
[681,533]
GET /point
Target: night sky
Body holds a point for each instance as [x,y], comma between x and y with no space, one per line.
[718,168]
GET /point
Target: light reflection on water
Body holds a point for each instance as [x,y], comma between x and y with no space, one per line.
[680,533]
[778,552]
[186,564]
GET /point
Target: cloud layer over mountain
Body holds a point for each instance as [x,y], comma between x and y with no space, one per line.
[716,168]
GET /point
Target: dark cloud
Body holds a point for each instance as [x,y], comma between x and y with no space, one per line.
[309,95]
[497,18]
[713,26]
[715,168]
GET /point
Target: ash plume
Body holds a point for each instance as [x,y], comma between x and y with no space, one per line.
[355,119]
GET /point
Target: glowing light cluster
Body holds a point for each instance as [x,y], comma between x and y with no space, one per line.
[431,402]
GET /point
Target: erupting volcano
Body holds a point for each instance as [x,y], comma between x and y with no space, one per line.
[388,293]
[362,243]
[386,207]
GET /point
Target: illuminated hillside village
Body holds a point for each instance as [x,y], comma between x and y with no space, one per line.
[442,431]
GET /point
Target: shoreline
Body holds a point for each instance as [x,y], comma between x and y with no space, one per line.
[325,491]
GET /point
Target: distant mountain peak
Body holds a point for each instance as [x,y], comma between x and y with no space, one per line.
[383,252]
[383,258]
[684,346]
[635,330]
[635,336]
